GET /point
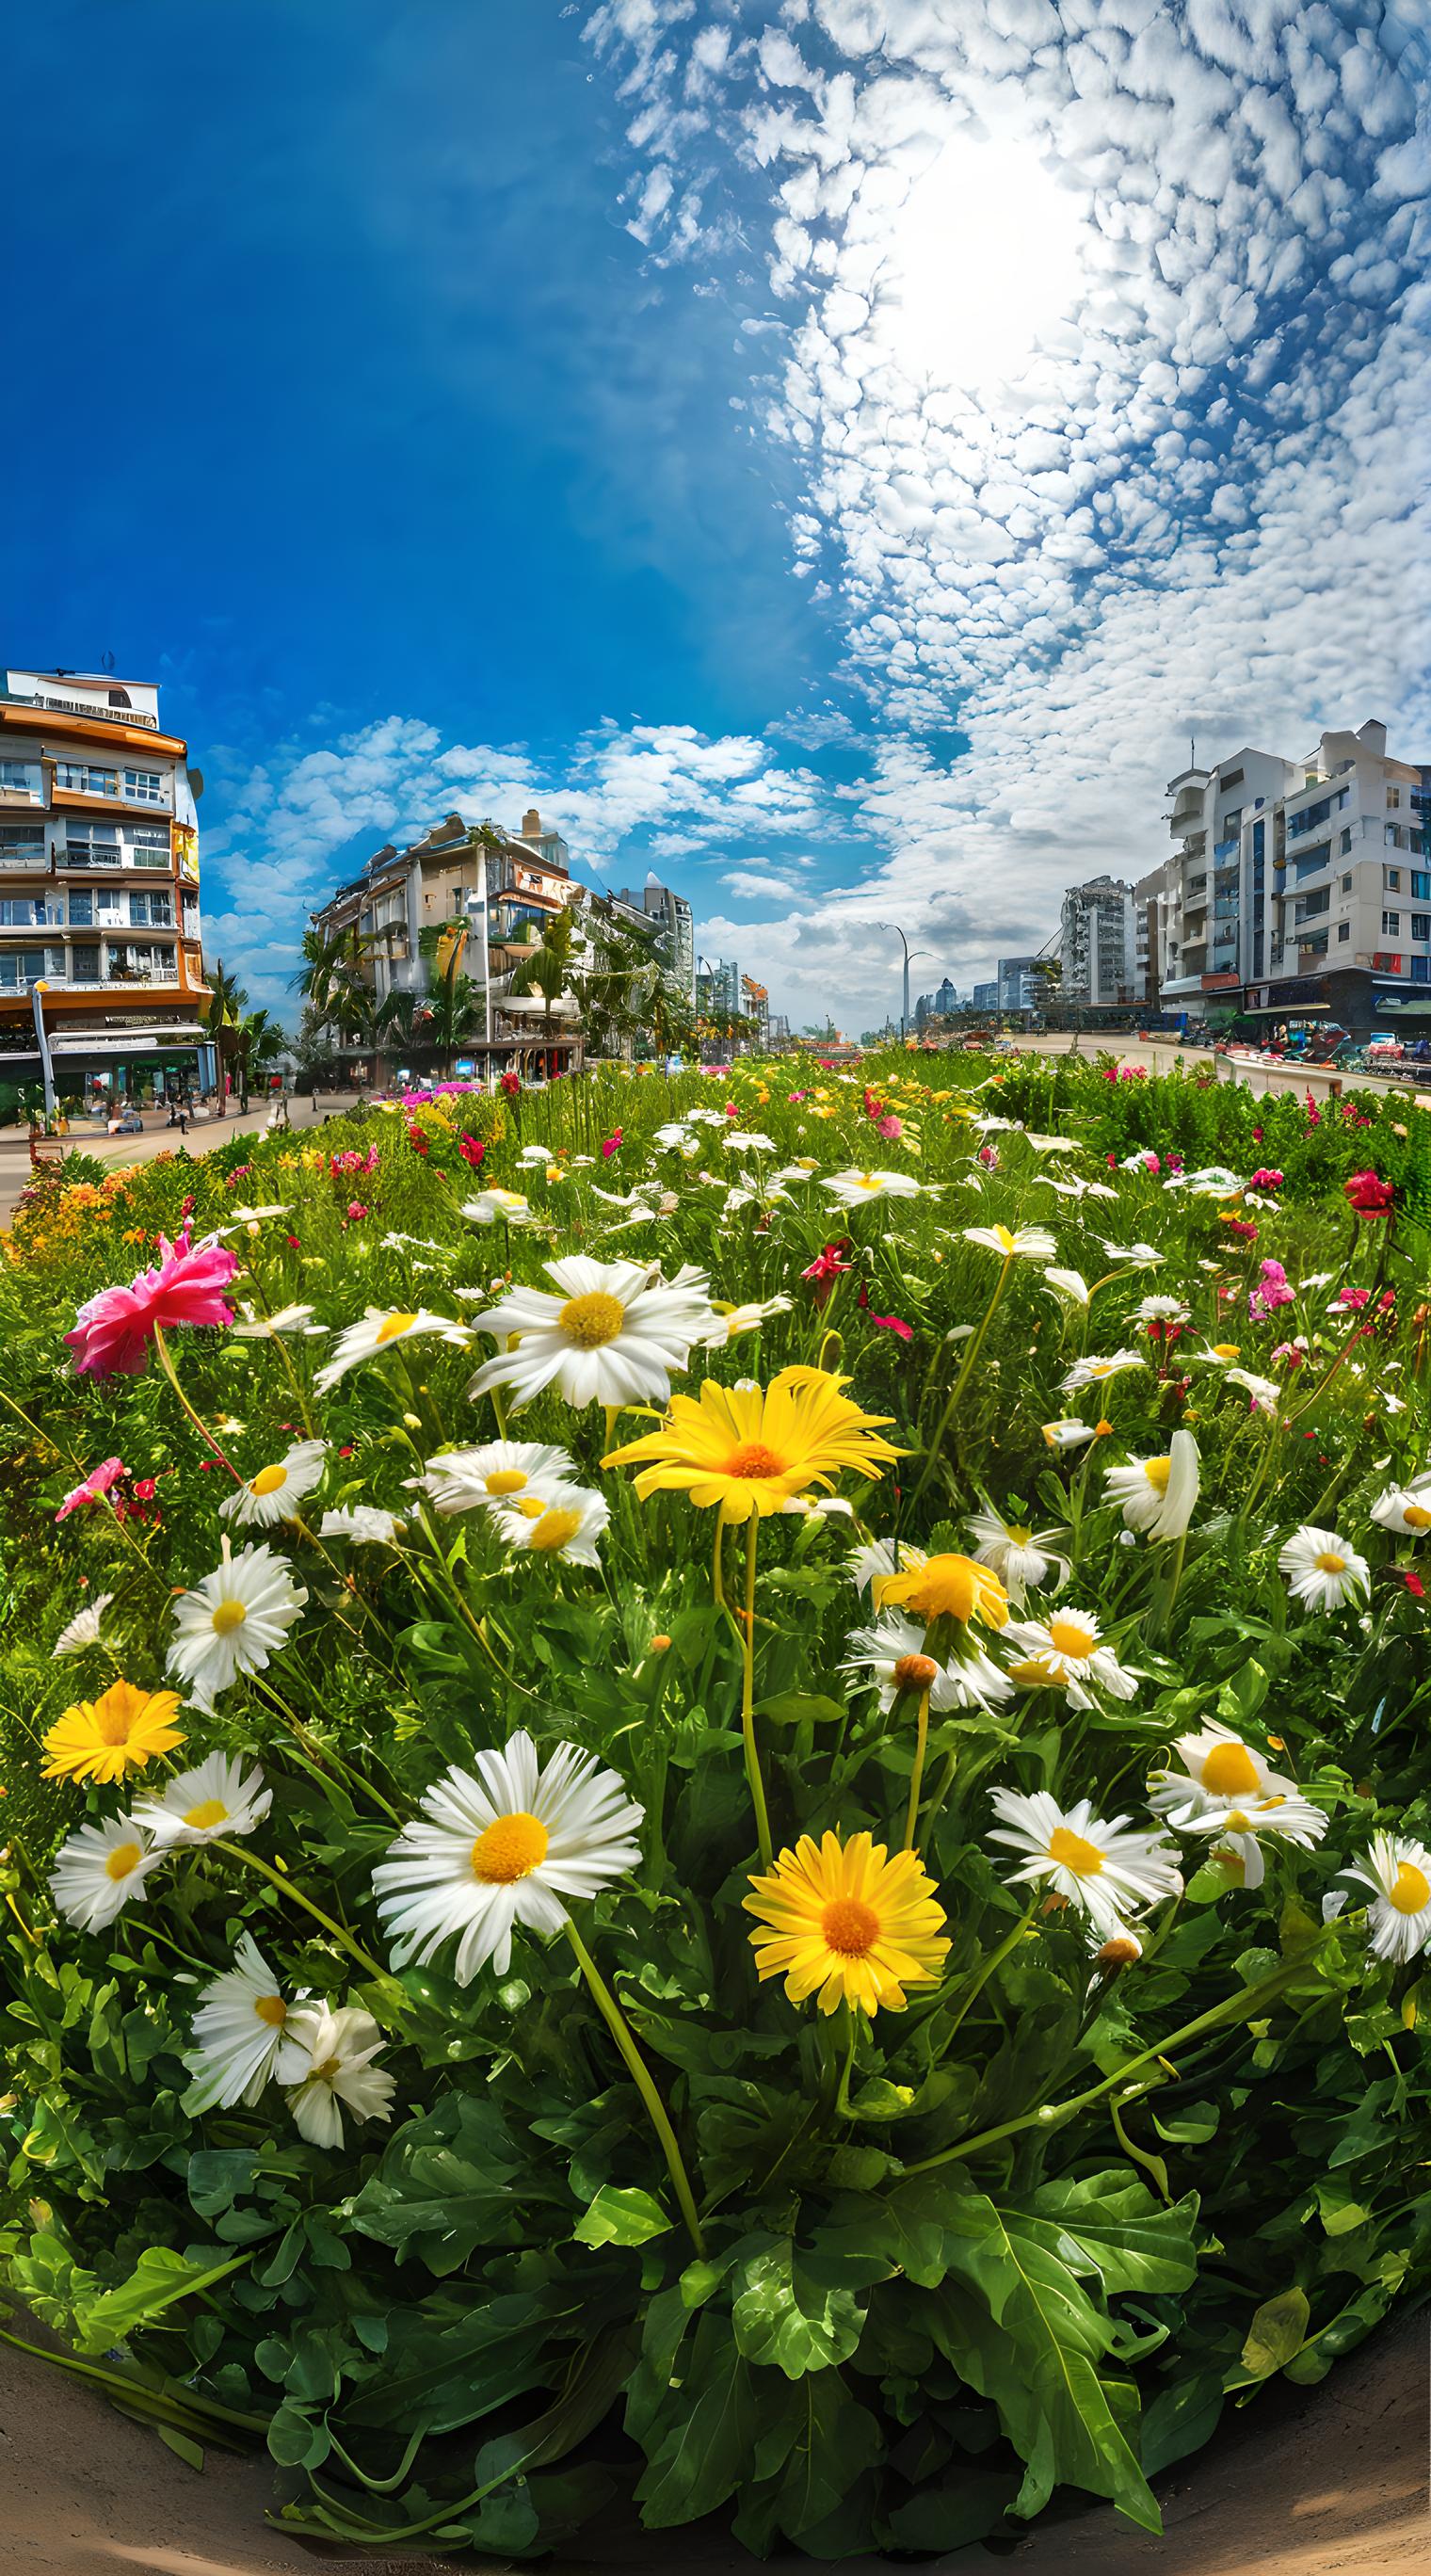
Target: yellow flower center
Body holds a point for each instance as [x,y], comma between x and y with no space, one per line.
[1237,1823]
[1416,1516]
[554,1530]
[1412,1890]
[505,1480]
[868,1181]
[1032,1673]
[209,1811]
[269,1480]
[1157,1471]
[1228,1769]
[592,1320]
[1071,1637]
[126,1857]
[1226,1350]
[1070,1849]
[531,1507]
[1017,1534]
[849,1927]
[393,1325]
[949,1587]
[228,1615]
[510,1849]
[1330,1563]
[753,1460]
[1006,1240]
[1120,1952]
[915,1672]
[272,2009]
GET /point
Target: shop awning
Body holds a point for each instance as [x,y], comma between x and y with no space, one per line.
[1408,1006]
[1288,1011]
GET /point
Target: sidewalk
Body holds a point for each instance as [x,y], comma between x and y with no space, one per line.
[158,1138]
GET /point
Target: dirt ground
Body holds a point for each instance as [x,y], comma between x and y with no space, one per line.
[1330,2481]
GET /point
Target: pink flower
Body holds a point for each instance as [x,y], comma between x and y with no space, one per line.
[731,1110]
[1289,1352]
[892,1324]
[356,1211]
[609,1143]
[1151,1164]
[1256,1135]
[891,1128]
[988,1155]
[1268,1180]
[1174,1162]
[112,1332]
[1355,1298]
[188,1208]
[1368,1193]
[96,1485]
[1270,1292]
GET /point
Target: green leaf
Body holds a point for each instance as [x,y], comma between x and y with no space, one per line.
[1277,2333]
[794,1708]
[621,2217]
[1119,2229]
[446,2185]
[707,2449]
[1180,2419]
[793,2310]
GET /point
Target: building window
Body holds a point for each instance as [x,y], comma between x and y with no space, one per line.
[1393,799]
[151,911]
[1392,880]
[84,962]
[1343,930]
[91,845]
[22,845]
[1391,925]
[1421,885]
[82,778]
[1421,925]
[29,912]
[1346,885]
[149,845]
[1346,842]
[21,777]
[1421,970]
[144,786]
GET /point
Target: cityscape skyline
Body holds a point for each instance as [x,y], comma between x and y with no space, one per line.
[832,457]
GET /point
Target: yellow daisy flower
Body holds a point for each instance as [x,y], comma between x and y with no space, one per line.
[947,1587]
[749,1448]
[845,1922]
[101,1739]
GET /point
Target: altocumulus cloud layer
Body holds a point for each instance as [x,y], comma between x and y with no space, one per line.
[1097,331]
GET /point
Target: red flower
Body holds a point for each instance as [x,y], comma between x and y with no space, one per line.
[827,1264]
[96,1485]
[471,1150]
[1415,1586]
[293,1243]
[356,1211]
[1369,1194]
[416,1139]
[609,1144]
[892,1324]
[511,1084]
[112,1332]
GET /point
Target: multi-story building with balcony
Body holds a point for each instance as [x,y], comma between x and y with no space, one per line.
[1020,988]
[669,917]
[101,967]
[1302,889]
[502,886]
[1096,943]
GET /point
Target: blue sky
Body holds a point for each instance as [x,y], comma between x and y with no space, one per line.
[829,452]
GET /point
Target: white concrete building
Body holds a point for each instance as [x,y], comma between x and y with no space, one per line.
[1096,943]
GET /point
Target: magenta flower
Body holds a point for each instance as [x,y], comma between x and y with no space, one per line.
[112,1332]
[1268,1180]
[96,1485]
[891,1128]
[1272,1290]
[609,1144]
[892,1324]
[356,1211]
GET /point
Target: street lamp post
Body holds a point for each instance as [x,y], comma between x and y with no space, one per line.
[908,953]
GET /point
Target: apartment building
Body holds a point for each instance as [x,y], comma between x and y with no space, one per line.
[1096,943]
[1020,986]
[718,989]
[1301,889]
[502,885]
[985,997]
[101,969]
[669,916]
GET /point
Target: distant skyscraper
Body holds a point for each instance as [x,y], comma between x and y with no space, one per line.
[674,923]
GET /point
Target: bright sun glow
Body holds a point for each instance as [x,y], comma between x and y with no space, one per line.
[982,267]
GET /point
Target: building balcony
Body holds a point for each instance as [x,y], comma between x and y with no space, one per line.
[58,706]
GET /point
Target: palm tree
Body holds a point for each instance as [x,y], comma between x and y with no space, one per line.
[545,965]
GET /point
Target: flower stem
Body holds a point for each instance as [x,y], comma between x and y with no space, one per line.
[747,1699]
[616,2022]
[916,1777]
[287,1888]
[987,1967]
[205,1434]
[962,1380]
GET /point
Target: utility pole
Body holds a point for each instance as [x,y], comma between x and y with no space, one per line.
[908,953]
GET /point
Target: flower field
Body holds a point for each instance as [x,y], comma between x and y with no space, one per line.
[716,1792]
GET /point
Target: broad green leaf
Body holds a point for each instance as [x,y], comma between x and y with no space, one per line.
[707,2448]
[1277,2332]
[1180,2419]
[1118,2227]
[792,2311]
[621,2217]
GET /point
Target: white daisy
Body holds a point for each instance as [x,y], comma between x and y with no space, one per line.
[1158,1495]
[495,1471]
[232,1621]
[381,1328]
[533,1155]
[673,1138]
[738,1320]
[1075,1187]
[881,1556]
[363,1525]
[1263,1390]
[84,1628]
[1220,1355]
[1142,1256]
[1238,1827]
[1099,1866]
[1322,1569]
[262,1328]
[1218,1769]
[1021,1243]
[241,2038]
[1020,1556]
[488,1205]
[1068,1284]
[1397,1871]
[1063,1652]
[1069,1434]
[271,1495]
[1161,1310]
[338,2051]
[854,1189]
[99,1869]
[249,1218]
[1098,1368]
[566,1521]
[739,1141]
[613,1335]
[504,1847]
[216,1797]
[1213,1182]
[1405,1508]
[891,1654]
